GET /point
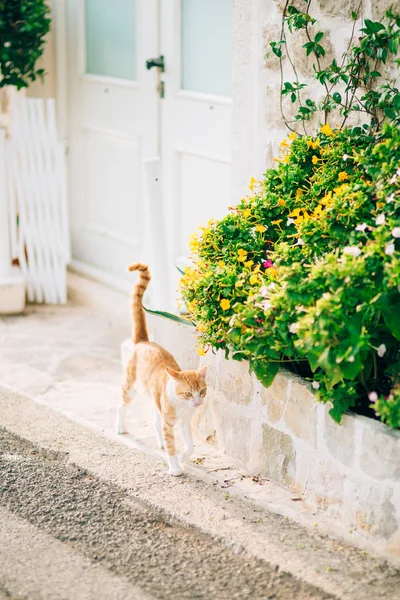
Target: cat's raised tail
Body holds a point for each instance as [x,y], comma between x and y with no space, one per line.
[139,327]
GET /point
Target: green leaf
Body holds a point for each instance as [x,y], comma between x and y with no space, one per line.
[372,26]
[375,74]
[390,113]
[354,15]
[169,316]
[319,36]
[265,372]
[337,97]
[180,270]
[391,314]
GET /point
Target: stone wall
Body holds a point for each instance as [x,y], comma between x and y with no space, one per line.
[257,124]
[348,472]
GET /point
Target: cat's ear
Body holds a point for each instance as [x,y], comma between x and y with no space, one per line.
[174,374]
[202,372]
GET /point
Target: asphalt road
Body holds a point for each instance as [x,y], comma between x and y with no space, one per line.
[65,534]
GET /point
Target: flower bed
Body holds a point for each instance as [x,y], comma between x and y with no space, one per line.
[305,271]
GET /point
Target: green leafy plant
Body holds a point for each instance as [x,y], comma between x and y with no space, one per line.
[23,27]
[305,272]
[350,84]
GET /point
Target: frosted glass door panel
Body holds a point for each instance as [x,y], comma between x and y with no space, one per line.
[111,38]
[207,46]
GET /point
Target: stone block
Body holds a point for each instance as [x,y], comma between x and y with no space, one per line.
[339,8]
[278,457]
[273,116]
[301,414]
[371,509]
[299,4]
[233,431]
[340,438]
[12,293]
[203,421]
[235,381]
[379,8]
[325,486]
[304,63]
[380,451]
[271,33]
[275,398]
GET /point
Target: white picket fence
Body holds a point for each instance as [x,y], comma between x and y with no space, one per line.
[37,200]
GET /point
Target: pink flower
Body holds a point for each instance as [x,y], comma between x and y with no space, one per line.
[267,264]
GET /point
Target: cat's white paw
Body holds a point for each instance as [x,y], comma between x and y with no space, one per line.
[121,430]
[175,471]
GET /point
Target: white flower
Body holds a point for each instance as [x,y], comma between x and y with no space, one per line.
[352,250]
[315,385]
[266,305]
[264,292]
[381,350]
[389,250]
[345,157]
[362,227]
[380,219]
[300,242]
[396,232]
[289,222]
[390,198]
[393,179]
[294,327]
[373,396]
[351,359]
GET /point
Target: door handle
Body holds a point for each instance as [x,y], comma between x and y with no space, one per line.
[156,62]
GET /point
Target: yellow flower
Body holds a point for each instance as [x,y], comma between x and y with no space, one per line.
[273,271]
[254,279]
[284,143]
[313,145]
[292,135]
[343,175]
[221,264]
[380,204]
[248,263]
[299,193]
[318,211]
[326,129]
[242,254]
[295,212]
[246,213]
[200,351]
[201,327]
[281,202]
[239,283]
[260,228]
[225,304]
[277,222]
[314,160]
[252,184]
[194,243]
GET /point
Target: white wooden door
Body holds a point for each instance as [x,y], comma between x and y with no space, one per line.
[113,126]
[196,115]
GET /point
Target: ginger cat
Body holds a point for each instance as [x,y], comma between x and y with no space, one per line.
[153,370]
